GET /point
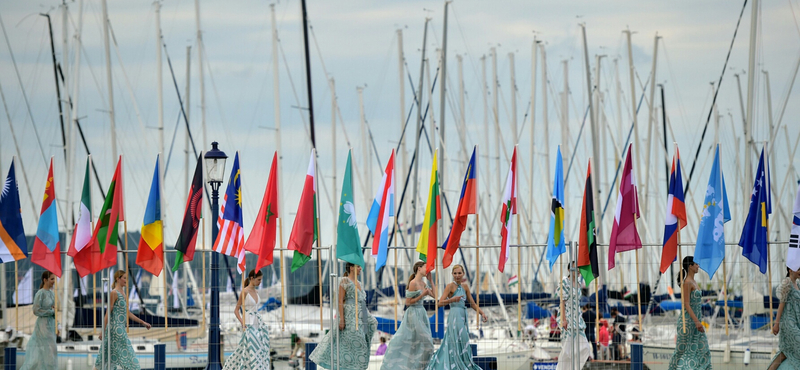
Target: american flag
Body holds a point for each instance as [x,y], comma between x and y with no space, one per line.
[230,239]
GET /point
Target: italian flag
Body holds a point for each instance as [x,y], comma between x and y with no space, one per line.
[304,230]
[508,211]
[428,240]
[83,228]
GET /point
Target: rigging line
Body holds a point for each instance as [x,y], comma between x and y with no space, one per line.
[24,94]
[19,153]
[127,81]
[180,100]
[714,101]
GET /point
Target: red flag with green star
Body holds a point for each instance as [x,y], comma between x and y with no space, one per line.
[262,237]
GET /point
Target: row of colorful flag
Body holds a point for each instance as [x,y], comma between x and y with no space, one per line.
[96,249]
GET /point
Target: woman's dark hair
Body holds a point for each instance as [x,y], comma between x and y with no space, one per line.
[687,262]
[348,267]
[788,271]
[252,275]
[414,270]
[47,274]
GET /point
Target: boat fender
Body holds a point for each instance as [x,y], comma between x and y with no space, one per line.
[747,356]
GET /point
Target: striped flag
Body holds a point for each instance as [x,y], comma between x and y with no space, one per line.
[13,246]
[304,230]
[467,205]
[676,214]
[192,213]
[151,244]
[47,245]
[587,241]
[82,234]
[428,239]
[508,211]
[230,239]
[512,281]
[378,218]
[624,236]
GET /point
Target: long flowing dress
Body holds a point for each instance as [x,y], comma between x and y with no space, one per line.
[253,349]
[789,335]
[353,345]
[576,329]
[40,352]
[412,346]
[122,354]
[691,347]
[455,352]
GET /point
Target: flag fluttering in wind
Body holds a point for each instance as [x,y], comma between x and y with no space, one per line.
[555,238]
[101,252]
[230,239]
[25,289]
[304,231]
[82,234]
[710,249]
[676,214]
[348,243]
[192,213]
[754,232]
[262,237]
[428,239]
[587,241]
[378,218]
[508,211]
[13,246]
[151,244]
[47,245]
[512,281]
[793,254]
[624,236]
[467,205]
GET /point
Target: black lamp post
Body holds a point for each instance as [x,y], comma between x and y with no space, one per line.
[215,170]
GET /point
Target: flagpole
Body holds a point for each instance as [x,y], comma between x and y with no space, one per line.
[725,295]
[16,292]
[596,308]
[280,247]
[56,305]
[519,282]
[94,303]
[769,264]
[357,307]
[680,275]
[319,271]
[203,257]
[639,293]
[127,305]
[164,249]
[478,265]
[396,285]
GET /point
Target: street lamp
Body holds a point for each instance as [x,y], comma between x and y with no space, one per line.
[215,170]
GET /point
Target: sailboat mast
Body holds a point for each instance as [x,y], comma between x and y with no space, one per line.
[442,109]
[110,85]
[401,152]
[594,128]
[751,75]
[650,123]
[308,74]
[420,92]
[535,52]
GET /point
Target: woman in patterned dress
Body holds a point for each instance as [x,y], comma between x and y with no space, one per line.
[787,324]
[40,352]
[253,349]
[121,353]
[455,353]
[573,327]
[412,346]
[691,347]
[353,346]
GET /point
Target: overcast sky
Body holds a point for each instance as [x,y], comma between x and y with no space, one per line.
[357,43]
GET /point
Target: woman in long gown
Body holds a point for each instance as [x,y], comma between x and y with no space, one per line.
[253,349]
[353,346]
[455,353]
[40,352]
[691,347]
[121,354]
[572,324]
[412,346]
[787,324]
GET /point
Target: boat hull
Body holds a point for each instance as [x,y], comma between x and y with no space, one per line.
[658,357]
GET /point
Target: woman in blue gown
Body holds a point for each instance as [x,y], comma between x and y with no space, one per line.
[40,352]
[455,353]
[121,352]
[691,348]
[412,346]
[787,324]
[352,344]
[253,349]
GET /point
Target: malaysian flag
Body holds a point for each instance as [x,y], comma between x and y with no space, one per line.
[230,239]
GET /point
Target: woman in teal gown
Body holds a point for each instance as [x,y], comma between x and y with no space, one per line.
[40,352]
[353,346]
[691,347]
[455,353]
[121,354]
[787,324]
[412,346]
[253,349]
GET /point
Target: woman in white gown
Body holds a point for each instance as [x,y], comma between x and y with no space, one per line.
[253,349]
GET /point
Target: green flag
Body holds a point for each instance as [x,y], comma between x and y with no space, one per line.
[348,244]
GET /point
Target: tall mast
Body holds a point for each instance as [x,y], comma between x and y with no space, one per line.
[597,120]
[595,144]
[535,53]
[110,85]
[513,88]
[751,75]
[159,80]
[635,141]
[650,123]
[276,107]
[187,109]
[462,131]
[416,132]
[364,138]
[200,68]
[332,85]
[496,116]
[442,109]
[308,74]
[485,93]
[402,145]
